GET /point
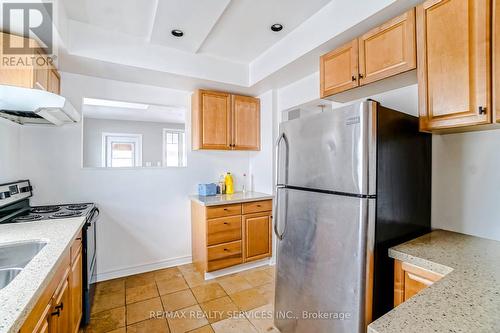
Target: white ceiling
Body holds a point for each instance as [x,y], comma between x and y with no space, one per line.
[235,30]
[154,113]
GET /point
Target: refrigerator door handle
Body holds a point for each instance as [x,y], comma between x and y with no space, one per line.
[283,138]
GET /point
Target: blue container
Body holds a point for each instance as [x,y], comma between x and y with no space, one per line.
[207,189]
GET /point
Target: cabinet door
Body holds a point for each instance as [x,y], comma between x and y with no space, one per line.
[409,280]
[339,69]
[214,120]
[41,72]
[75,281]
[453,47]
[61,308]
[43,324]
[496,58]
[246,123]
[257,236]
[388,50]
[54,81]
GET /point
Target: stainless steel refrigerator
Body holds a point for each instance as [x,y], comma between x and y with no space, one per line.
[351,182]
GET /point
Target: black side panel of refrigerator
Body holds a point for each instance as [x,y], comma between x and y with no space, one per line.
[403,210]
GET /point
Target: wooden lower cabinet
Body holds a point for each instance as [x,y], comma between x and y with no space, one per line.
[409,280]
[228,235]
[59,308]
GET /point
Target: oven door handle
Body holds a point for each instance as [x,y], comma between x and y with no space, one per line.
[94,216]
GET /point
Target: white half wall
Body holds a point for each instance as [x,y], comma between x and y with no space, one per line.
[9,151]
[466,183]
[145,221]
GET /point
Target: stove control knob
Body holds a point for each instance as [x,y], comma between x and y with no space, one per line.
[4,195]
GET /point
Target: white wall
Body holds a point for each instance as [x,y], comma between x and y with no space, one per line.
[466,183]
[145,213]
[9,151]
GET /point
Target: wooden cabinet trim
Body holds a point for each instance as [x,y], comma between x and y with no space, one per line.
[406,23]
[496,58]
[479,59]
[348,82]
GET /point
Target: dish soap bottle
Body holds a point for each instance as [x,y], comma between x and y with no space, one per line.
[229,183]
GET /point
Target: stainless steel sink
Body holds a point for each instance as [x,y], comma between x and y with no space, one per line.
[18,255]
[7,275]
[14,257]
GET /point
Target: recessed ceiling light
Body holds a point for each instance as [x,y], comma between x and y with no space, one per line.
[177,33]
[276,27]
[114,104]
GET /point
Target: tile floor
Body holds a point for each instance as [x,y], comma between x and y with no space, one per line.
[183,301]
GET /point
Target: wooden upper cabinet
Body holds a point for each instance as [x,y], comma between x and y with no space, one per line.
[42,76]
[211,120]
[246,123]
[453,42]
[222,121]
[339,69]
[496,58]
[388,49]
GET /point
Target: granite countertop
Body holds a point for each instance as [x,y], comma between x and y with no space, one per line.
[225,199]
[19,297]
[466,299]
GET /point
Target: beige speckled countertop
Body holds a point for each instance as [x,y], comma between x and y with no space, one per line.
[225,199]
[466,299]
[19,297]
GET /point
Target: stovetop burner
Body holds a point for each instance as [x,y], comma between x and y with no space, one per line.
[45,209]
[77,207]
[27,218]
[60,215]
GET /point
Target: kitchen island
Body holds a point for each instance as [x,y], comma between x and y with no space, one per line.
[465,299]
[19,298]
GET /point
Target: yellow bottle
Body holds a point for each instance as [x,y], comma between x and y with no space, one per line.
[228,179]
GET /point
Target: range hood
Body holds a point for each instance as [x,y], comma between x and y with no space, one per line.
[34,106]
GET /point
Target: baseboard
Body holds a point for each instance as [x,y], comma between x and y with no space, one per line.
[143,268]
[236,269]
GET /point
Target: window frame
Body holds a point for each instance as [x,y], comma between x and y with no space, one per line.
[106,156]
[182,152]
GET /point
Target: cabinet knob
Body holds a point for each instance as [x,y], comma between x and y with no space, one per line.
[353,78]
[482,110]
[360,75]
[226,223]
[226,250]
[225,209]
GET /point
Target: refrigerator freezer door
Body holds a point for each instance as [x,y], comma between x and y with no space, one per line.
[333,151]
[322,262]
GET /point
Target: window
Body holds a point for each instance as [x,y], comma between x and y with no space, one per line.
[121,150]
[174,152]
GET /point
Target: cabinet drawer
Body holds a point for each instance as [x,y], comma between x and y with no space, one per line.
[75,247]
[224,229]
[222,211]
[257,206]
[224,255]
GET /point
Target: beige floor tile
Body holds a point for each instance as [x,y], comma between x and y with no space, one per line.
[187,268]
[110,287]
[167,286]
[187,319]
[267,290]
[106,321]
[107,301]
[233,325]
[119,330]
[207,292]
[178,300]
[194,279]
[234,283]
[139,280]
[204,329]
[140,311]
[257,277]
[167,273]
[219,309]
[141,293]
[149,326]
[263,319]
[248,299]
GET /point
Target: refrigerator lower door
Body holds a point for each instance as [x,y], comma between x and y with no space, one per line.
[334,150]
[322,262]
